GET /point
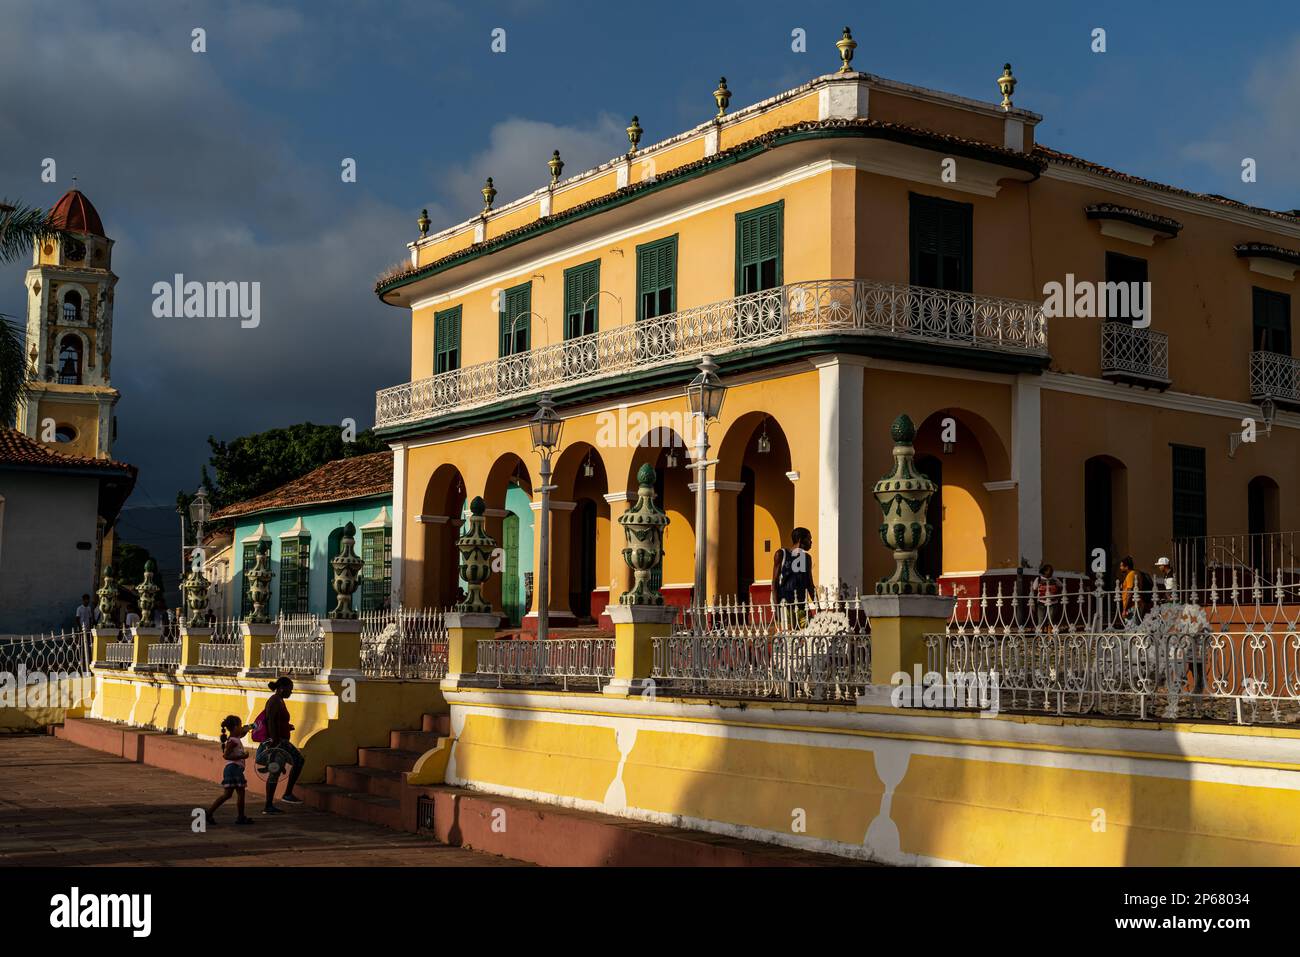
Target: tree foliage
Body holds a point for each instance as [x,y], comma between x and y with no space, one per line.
[253,465]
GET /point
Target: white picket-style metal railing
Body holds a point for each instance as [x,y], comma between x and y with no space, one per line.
[406,643]
[845,306]
[565,662]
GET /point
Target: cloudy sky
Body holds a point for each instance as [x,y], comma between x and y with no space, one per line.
[225,165]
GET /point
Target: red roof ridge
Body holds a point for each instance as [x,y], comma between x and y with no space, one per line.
[340,480]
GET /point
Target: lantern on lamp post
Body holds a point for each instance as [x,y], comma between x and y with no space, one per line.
[545,428]
[705,395]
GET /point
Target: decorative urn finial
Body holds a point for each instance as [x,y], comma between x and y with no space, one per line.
[259,585]
[846,45]
[1007,85]
[904,496]
[423,223]
[347,568]
[195,590]
[643,529]
[476,547]
[634,134]
[556,166]
[489,193]
[723,96]
[148,592]
[107,597]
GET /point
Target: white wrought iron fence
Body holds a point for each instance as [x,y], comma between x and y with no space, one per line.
[298,627]
[54,653]
[1234,658]
[294,657]
[1134,352]
[406,643]
[576,662]
[165,655]
[1274,375]
[731,617]
[226,655]
[809,666]
[854,307]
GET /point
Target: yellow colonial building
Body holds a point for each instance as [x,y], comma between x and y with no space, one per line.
[1074,344]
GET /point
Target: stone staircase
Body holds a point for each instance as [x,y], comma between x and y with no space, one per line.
[373,789]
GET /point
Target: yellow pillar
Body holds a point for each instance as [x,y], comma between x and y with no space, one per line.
[190,639]
[254,636]
[144,638]
[635,629]
[100,640]
[899,624]
[342,638]
[464,631]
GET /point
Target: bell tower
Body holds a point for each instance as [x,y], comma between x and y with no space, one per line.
[70,284]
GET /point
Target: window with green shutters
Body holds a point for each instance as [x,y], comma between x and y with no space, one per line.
[1189,491]
[250,559]
[516,303]
[377,567]
[656,278]
[581,299]
[758,248]
[940,236]
[446,340]
[295,569]
[1272,321]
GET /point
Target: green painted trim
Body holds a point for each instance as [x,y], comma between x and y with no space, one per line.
[742,360]
[575,272]
[737,154]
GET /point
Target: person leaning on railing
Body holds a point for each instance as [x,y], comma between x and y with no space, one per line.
[1046,595]
[792,578]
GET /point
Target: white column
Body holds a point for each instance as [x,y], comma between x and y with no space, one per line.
[1027,464]
[399,523]
[837,549]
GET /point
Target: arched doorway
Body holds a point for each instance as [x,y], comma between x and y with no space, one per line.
[755,505]
[508,495]
[443,507]
[930,559]
[583,535]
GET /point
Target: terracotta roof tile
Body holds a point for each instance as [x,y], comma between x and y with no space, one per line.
[342,480]
[20,451]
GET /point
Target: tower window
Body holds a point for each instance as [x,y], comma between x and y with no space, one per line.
[72,307]
[70,360]
[65,434]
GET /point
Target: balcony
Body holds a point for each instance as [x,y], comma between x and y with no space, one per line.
[1136,356]
[865,308]
[1275,376]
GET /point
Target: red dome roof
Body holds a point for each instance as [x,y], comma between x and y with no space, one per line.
[76,214]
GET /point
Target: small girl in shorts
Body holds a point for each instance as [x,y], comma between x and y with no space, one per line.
[232,778]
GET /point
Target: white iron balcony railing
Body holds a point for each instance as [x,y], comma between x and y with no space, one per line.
[1131,354]
[862,307]
[1274,375]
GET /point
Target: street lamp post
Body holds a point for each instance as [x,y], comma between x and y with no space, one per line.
[545,428]
[705,395]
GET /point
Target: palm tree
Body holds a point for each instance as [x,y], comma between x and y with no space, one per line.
[20,228]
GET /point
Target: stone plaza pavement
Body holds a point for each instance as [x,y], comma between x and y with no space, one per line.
[65,805]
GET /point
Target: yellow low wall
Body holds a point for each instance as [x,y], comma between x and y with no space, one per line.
[34,708]
[902,787]
[331,718]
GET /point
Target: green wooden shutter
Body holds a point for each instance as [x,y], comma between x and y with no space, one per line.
[581,284]
[940,234]
[1272,321]
[656,271]
[759,240]
[516,301]
[446,340]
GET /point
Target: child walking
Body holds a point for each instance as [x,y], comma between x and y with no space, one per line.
[232,778]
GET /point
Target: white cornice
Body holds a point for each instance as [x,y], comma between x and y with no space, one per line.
[1201,207]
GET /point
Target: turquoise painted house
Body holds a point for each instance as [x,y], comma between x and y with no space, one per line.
[302,524]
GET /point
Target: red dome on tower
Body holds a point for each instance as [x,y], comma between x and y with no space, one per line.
[75,213]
